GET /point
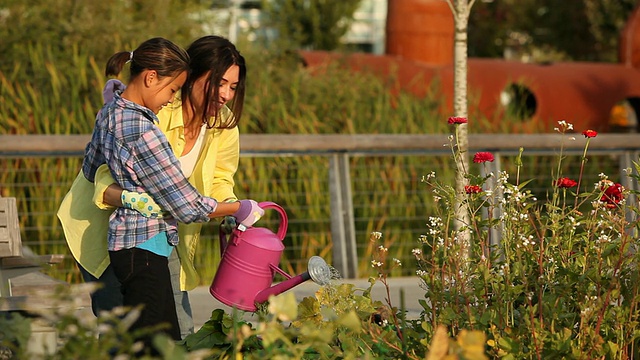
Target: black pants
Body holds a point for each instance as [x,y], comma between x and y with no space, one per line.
[146,281]
[109,295]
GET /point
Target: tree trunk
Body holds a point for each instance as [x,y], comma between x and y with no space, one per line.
[461,9]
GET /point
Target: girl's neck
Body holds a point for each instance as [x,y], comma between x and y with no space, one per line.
[132,94]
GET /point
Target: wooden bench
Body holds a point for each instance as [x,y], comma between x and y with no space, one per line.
[23,287]
[20,269]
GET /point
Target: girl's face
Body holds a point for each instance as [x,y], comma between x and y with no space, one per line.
[226,89]
[162,90]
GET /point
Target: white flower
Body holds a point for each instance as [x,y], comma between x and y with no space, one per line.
[429,176]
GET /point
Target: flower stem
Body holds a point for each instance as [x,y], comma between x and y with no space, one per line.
[582,162]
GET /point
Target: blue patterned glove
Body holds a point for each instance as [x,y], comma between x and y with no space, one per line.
[142,203]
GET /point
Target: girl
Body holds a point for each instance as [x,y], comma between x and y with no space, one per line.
[140,158]
[209,160]
[201,126]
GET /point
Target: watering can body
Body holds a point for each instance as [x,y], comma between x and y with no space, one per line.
[249,262]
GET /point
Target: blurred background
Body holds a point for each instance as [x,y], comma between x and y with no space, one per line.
[385,69]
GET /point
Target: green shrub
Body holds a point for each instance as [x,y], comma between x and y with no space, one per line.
[561,281]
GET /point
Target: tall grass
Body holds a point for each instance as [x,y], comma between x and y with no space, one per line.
[282,97]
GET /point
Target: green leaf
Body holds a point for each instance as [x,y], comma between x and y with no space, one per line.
[351,321]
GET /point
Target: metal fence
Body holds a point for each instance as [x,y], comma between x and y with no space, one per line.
[358,171]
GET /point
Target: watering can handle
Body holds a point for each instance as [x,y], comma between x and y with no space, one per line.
[284,221]
[282,229]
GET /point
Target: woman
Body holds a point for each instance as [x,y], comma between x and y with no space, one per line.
[200,111]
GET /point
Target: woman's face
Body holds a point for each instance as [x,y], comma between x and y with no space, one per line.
[226,89]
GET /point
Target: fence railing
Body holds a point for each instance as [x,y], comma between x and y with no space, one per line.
[341,149]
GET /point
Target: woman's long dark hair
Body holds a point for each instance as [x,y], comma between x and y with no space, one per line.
[216,55]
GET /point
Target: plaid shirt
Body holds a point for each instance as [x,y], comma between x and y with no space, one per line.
[140,158]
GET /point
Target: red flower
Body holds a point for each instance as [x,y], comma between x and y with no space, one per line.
[472,189]
[481,157]
[612,194]
[457,120]
[590,133]
[565,183]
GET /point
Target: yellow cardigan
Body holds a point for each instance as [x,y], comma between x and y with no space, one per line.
[85,222]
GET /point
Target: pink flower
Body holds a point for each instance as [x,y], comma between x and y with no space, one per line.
[565,183]
[590,133]
[472,189]
[457,120]
[482,156]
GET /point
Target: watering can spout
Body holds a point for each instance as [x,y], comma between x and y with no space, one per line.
[317,270]
[288,284]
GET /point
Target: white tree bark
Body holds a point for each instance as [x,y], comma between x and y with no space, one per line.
[461,10]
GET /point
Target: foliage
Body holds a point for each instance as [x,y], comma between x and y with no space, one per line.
[310,24]
[99,28]
[556,278]
[14,333]
[340,322]
[286,98]
[80,335]
[58,103]
[545,29]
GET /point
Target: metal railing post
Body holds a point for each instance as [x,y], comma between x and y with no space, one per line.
[343,233]
[627,168]
[495,167]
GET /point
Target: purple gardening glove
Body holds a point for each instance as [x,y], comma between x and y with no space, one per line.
[248,214]
[110,89]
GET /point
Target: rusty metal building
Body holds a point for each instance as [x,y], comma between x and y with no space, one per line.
[419,54]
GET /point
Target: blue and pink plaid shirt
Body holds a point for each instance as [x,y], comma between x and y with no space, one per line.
[140,158]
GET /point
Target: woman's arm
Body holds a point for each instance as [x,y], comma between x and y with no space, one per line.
[103,194]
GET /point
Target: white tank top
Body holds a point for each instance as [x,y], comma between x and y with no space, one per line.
[188,160]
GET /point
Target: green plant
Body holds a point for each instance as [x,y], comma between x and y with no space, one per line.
[339,322]
[314,24]
[79,334]
[559,281]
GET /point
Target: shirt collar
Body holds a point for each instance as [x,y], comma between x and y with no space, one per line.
[127,104]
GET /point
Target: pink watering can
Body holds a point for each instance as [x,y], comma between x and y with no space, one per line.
[249,262]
